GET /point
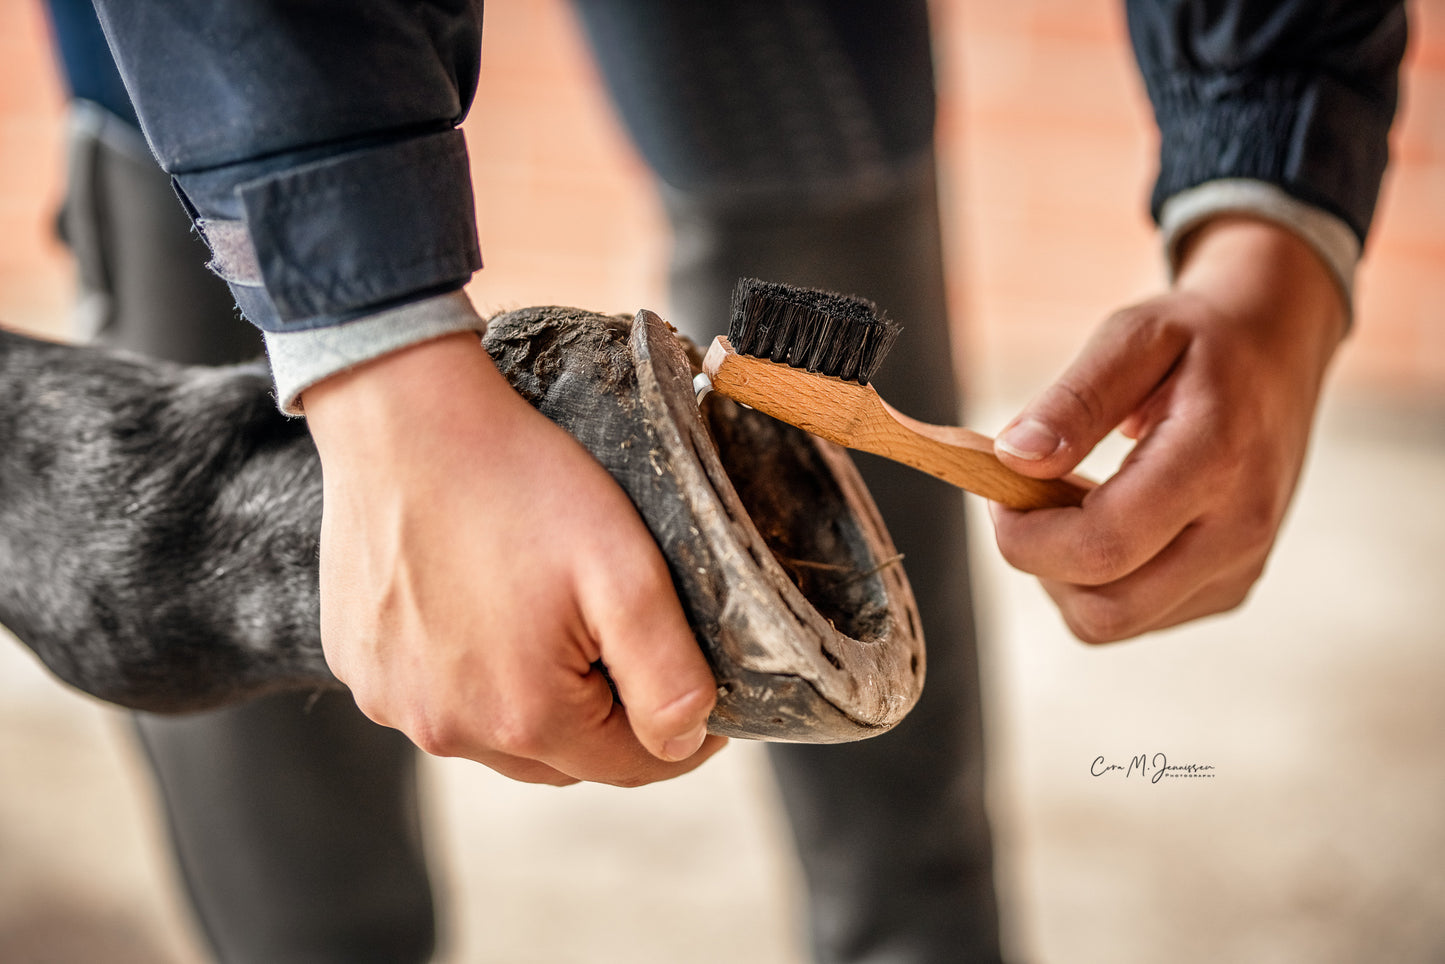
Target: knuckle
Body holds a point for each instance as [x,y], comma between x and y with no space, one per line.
[646,580]
[629,587]
[1077,402]
[1221,602]
[1009,547]
[1103,556]
[520,733]
[436,737]
[1237,591]
[535,773]
[1233,601]
[1146,324]
[1099,619]
[634,587]
[630,781]
[1255,526]
[371,706]
[1252,574]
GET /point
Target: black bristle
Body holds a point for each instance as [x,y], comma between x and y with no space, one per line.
[820,331]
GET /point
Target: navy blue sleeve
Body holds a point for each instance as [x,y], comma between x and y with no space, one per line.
[1297,93]
[325,132]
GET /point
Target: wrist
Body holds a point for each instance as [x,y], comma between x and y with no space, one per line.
[1330,237]
[404,397]
[301,359]
[1266,276]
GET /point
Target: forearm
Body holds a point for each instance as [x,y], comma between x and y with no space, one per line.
[318,154]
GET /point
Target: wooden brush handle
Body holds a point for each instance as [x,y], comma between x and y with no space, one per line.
[965,458]
[852,415]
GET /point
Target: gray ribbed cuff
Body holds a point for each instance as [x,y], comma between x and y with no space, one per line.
[300,359]
[1330,237]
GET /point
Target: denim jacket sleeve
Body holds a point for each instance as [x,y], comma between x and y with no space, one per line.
[315,144]
[1298,94]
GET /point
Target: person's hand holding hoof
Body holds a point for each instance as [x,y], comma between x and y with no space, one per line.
[478,566]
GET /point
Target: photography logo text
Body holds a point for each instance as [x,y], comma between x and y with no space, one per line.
[1150,767]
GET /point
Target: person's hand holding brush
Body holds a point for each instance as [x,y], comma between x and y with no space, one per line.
[1217,380]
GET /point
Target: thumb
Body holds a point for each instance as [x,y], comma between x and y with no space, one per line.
[661,675]
[1122,363]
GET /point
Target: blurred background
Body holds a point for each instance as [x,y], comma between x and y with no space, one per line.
[1319,705]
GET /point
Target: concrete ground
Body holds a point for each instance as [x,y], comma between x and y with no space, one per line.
[1316,837]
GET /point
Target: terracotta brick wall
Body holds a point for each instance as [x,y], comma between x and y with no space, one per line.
[1048,152]
[34,276]
[1401,343]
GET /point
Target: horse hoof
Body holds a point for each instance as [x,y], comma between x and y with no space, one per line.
[782,563]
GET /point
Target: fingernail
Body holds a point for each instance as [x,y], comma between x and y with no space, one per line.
[1029,439]
[682,747]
